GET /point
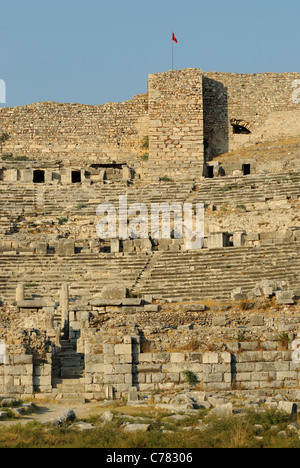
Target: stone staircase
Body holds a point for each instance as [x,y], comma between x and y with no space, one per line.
[68,375]
[39,199]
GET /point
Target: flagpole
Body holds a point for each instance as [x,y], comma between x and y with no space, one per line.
[172,54]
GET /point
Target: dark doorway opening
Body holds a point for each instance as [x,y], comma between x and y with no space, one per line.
[210,172]
[38,177]
[76,177]
[246,168]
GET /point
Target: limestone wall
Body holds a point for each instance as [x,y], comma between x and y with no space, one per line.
[119,369]
[184,112]
[176,122]
[263,102]
[105,133]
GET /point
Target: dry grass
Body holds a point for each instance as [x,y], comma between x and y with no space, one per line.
[227,432]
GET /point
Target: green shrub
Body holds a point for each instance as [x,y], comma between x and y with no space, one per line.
[241,336]
[62,220]
[283,340]
[7,156]
[21,158]
[3,139]
[145,142]
[190,377]
[246,304]
[80,206]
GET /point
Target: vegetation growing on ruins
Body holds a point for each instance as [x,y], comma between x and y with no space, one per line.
[3,139]
[270,429]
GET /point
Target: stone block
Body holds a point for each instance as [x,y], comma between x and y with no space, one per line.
[219,321]
[212,378]
[285,297]
[256,321]
[161,357]
[114,379]
[158,378]
[115,245]
[126,358]
[194,308]
[151,308]
[243,377]
[218,240]
[291,375]
[132,395]
[210,358]
[146,357]
[94,368]
[177,357]
[122,369]
[115,291]
[149,368]
[123,349]
[288,407]
[22,359]
[109,349]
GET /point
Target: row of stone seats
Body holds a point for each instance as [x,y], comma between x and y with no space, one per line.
[86,274]
[214,274]
[194,275]
[67,198]
[250,189]
[21,198]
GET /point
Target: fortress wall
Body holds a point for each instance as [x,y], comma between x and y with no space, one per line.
[264,101]
[176,122]
[113,131]
[185,112]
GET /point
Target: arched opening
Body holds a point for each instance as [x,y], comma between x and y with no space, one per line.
[240,130]
[240,127]
[38,177]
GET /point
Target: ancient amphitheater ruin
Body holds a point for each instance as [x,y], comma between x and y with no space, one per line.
[85,317]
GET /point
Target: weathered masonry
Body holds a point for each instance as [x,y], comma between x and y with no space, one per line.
[186,119]
[86,316]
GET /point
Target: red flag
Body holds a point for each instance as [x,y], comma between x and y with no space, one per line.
[174,38]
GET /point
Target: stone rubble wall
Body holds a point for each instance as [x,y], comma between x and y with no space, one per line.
[76,132]
[254,351]
[185,115]
[262,100]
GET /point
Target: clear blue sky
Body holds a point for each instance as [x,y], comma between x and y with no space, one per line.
[96,51]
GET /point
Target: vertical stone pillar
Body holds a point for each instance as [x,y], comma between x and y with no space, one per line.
[64,304]
[239,238]
[119,366]
[20,295]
